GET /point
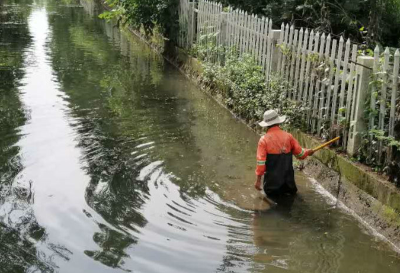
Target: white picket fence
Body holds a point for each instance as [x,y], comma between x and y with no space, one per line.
[186,23]
[321,71]
[385,91]
[325,75]
[249,34]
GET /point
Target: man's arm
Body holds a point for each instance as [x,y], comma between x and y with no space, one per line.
[298,151]
[261,159]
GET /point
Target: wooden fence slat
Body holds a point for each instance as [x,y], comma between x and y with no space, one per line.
[205,23]
[303,65]
[280,42]
[229,28]
[260,40]
[394,92]
[308,66]
[217,28]
[218,21]
[264,24]
[318,82]
[186,21]
[235,23]
[293,52]
[257,36]
[180,24]
[218,16]
[243,36]
[238,30]
[237,34]
[188,18]
[315,54]
[192,24]
[232,30]
[248,36]
[198,21]
[341,110]
[268,48]
[207,27]
[373,96]
[383,98]
[284,45]
[257,31]
[352,85]
[253,36]
[298,62]
[243,33]
[382,103]
[212,31]
[324,84]
[289,54]
[337,76]
[330,80]
[222,31]
[248,33]
[264,41]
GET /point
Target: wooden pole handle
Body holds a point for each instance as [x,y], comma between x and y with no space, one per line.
[326,144]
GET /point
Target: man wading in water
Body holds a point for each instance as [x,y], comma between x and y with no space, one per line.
[275,158]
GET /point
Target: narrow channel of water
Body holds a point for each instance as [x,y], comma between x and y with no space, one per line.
[111,161]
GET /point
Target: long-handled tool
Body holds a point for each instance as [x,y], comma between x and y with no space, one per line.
[326,144]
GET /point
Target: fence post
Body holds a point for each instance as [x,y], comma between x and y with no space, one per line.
[224,24]
[358,125]
[276,34]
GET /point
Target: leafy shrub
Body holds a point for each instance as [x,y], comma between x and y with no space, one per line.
[146,14]
[241,83]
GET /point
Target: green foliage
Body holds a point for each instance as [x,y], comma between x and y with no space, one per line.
[110,15]
[368,21]
[146,14]
[368,152]
[241,83]
[387,141]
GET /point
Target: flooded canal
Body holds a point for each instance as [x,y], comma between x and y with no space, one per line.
[111,161]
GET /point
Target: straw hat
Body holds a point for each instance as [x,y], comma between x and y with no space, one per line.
[271,117]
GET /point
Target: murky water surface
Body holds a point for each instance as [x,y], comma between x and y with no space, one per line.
[111,161]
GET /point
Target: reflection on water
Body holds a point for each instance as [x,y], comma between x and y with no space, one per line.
[112,162]
[20,233]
